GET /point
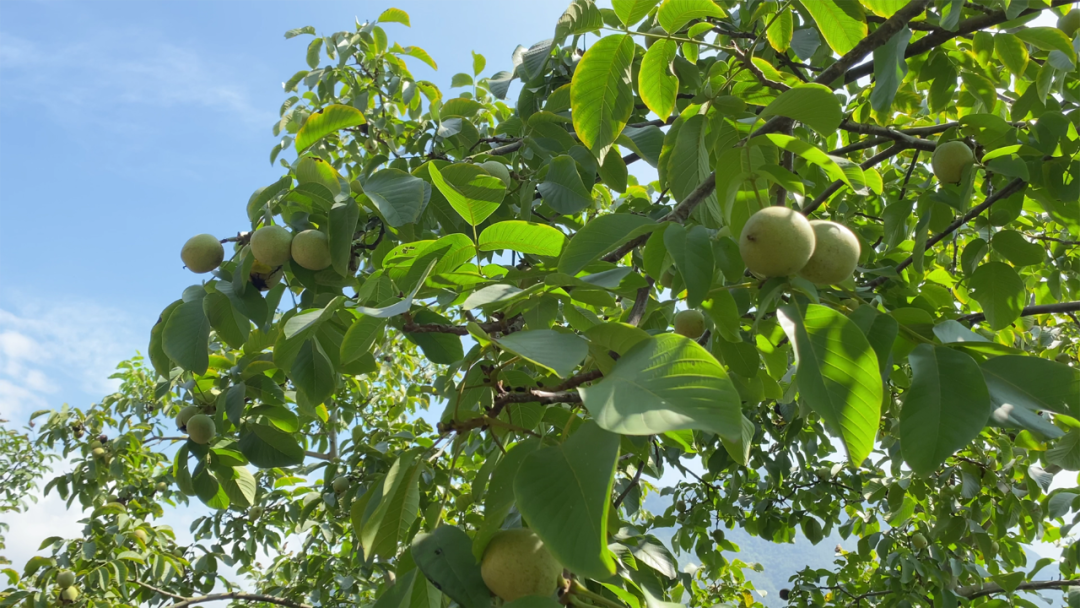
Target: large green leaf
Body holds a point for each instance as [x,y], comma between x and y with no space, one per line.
[688,166]
[158,359]
[410,590]
[1021,386]
[601,97]
[267,447]
[238,484]
[889,70]
[226,321]
[325,121]
[838,374]
[600,236]
[313,372]
[673,14]
[564,493]
[945,408]
[666,383]
[811,104]
[523,237]
[445,558]
[343,217]
[1048,39]
[631,11]
[562,188]
[500,493]
[387,522]
[692,252]
[360,337]
[1000,292]
[837,168]
[438,347]
[186,336]
[558,351]
[1012,52]
[398,196]
[657,84]
[842,22]
[470,190]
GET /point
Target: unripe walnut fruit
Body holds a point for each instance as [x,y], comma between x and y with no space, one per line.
[516,564]
[776,242]
[271,245]
[65,579]
[836,254]
[919,541]
[341,484]
[497,169]
[70,594]
[202,253]
[311,249]
[201,429]
[185,414]
[690,323]
[949,161]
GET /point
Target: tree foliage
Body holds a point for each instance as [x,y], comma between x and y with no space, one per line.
[920,408]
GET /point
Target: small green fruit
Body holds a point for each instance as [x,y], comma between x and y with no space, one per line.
[836,253]
[497,169]
[264,277]
[657,31]
[161,486]
[142,536]
[255,512]
[311,249]
[516,564]
[681,506]
[341,484]
[1069,22]
[98,452]
[271,245]
[823,472]
[667,278]
[202,253]
[185,415]
[201,429]
[95,444]
[1063,358]
[70,594]
[919,541]
[776,242]
[718,536]
[690,323]
[949,161]
[65,579]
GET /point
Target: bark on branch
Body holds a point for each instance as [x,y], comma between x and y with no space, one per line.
[1029,311]
[879,37]
[243,597]
[973,591]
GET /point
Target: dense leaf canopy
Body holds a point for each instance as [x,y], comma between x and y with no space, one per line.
[477,334]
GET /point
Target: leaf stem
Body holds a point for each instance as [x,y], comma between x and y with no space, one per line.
[576,588]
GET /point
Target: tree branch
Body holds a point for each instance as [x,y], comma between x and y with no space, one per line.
[503,326]
[936,39]
[833,187]
[633,482]
[900,136]
[879,37]
[1029,311]
[243,597]
[973,591]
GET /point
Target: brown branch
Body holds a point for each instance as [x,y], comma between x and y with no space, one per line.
[753,69]
[1011,188]
[879,37]
[973,591]
[899,136]
[241,237]
[641,302]
[936,39]
[503,326]
[869,142]
[1029,311]
[243,597]
[633,482]
[833,187]
[161,591]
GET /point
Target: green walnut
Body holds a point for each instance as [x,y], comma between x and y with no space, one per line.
[311,249]
[185,415]
[497,169]
[255,512]
[98,452]
[517,564]
[836,254]
[341,484]
[161,486]
[1069,23]
[949,161]
[919,541]
[776,242]
[65,579]
[271,245]
[202,253]
[690,323]
[70,594]
[656,31]
[201,429]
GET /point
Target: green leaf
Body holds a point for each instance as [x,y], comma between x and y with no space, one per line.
[601,97]
[601,235]
[398,196]
[631,11]
[360,337]
[500,494]
[395,15]
[657,84]
[267,447]
[811,104]
[399,502]
[673,14]
[438,347]
[1000,292]
[470,190]
[665,383]
[563,189]
[889,70]
[692,252]
[1032,383]
[835,167]
[186,336]
[564,493]
[208,489]
[421,54]
[580,17]
[313,372]
[555,350]
[838,374]
[158,359]
[445,558]
[313,53]
[946,407]
[842,22]
[343,217]
[1012,52]
[307,29]
[239,485]
[226,321]
[325,121]
[1017,249]
[1048,39]
[523,237]
[779,33]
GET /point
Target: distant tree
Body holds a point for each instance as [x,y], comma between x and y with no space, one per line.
[905,376]
[22,464]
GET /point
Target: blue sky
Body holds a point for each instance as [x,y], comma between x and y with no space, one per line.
[127,127]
